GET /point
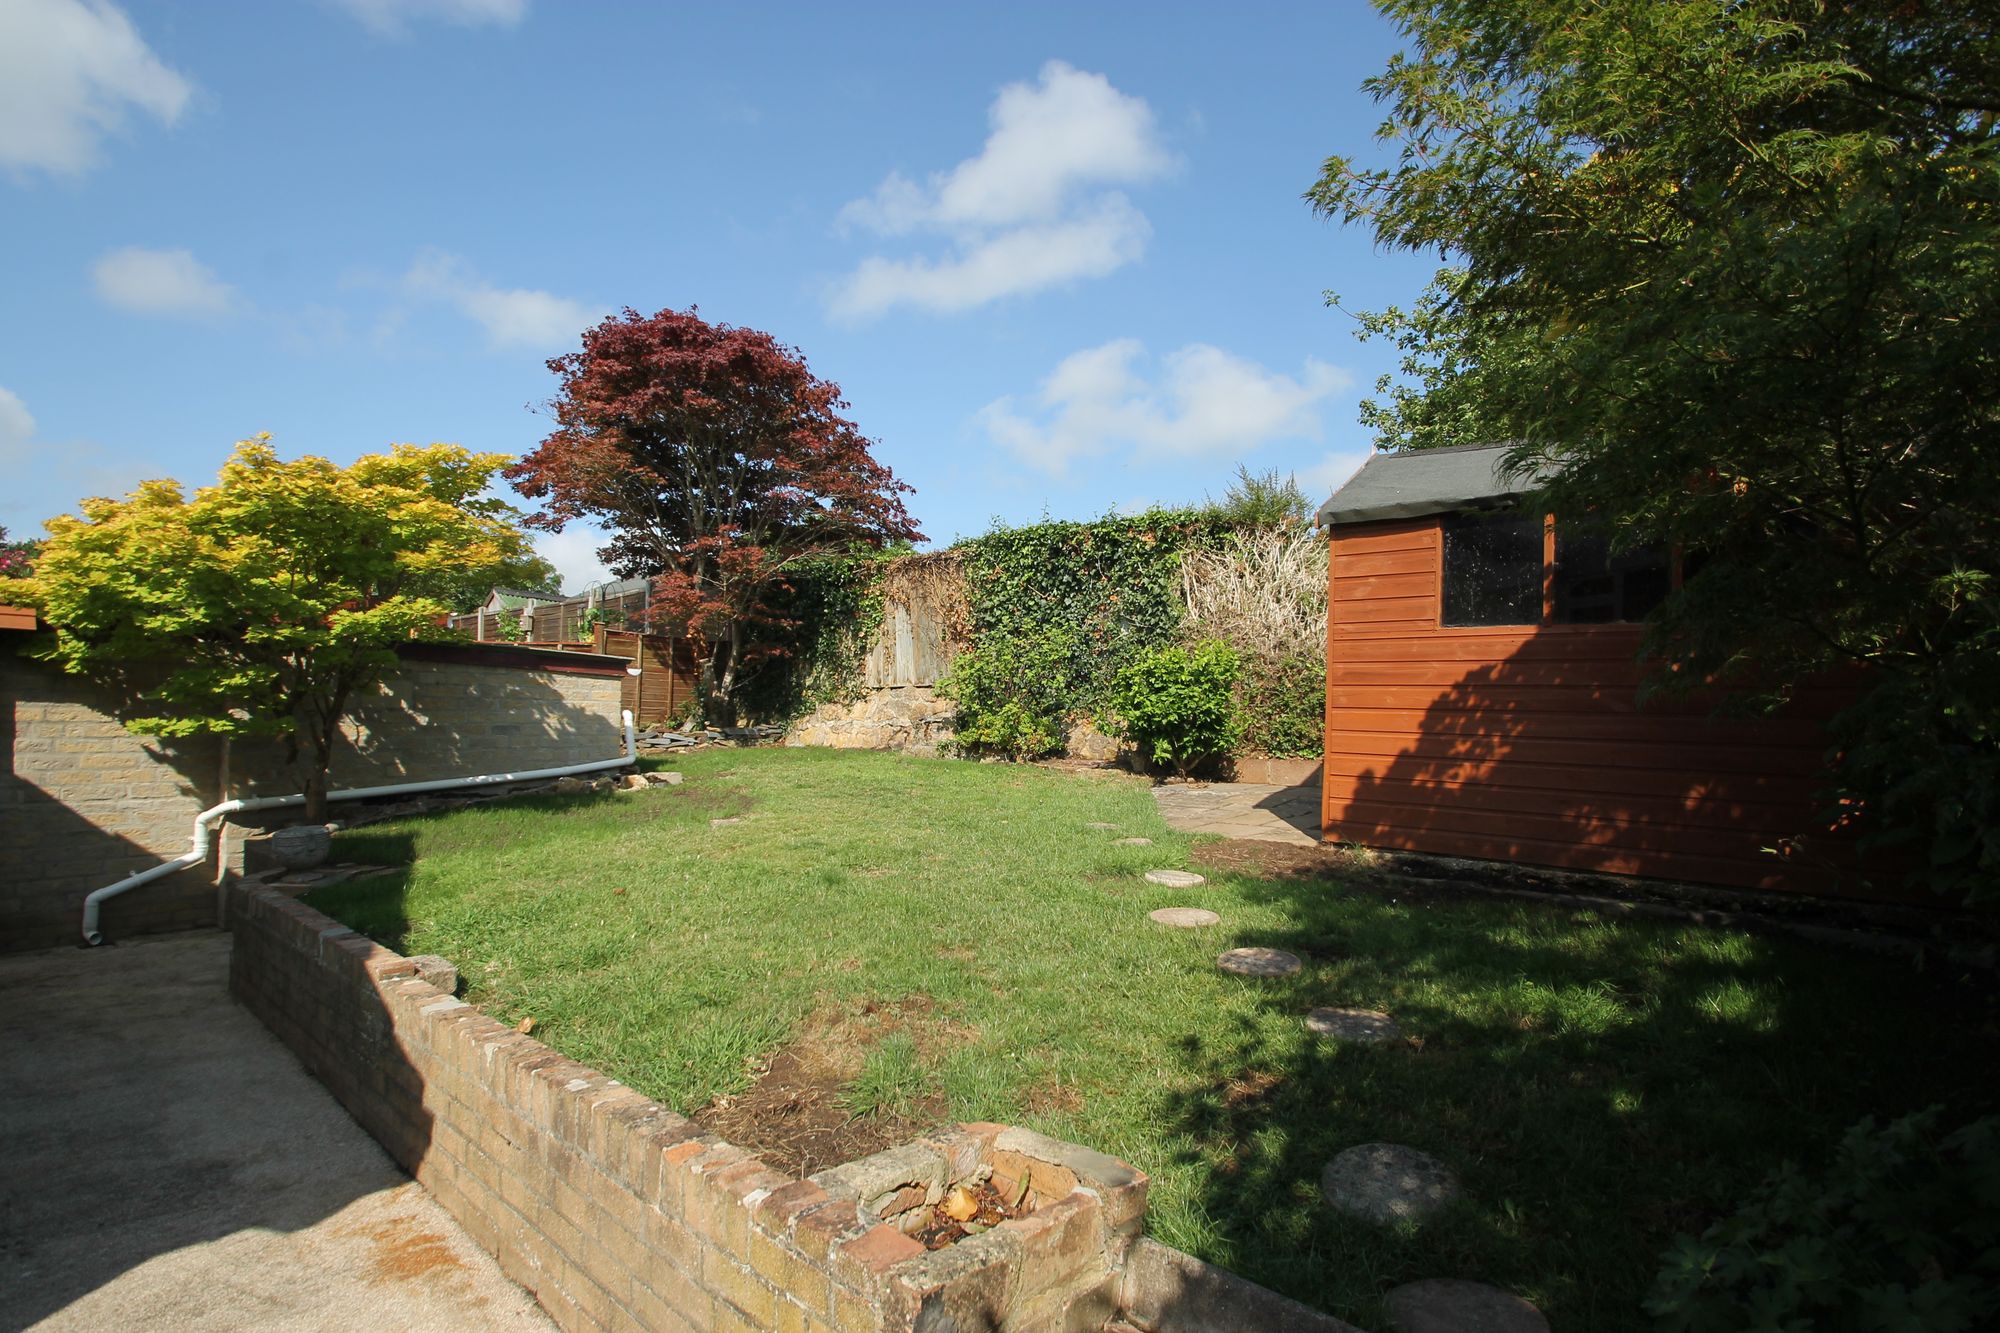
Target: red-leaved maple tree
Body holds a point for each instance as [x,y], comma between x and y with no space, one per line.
[719,462]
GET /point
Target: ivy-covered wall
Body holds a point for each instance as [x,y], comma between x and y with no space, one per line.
[1052,613]
[1105,591]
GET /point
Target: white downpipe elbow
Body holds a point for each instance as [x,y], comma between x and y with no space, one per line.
[205,822]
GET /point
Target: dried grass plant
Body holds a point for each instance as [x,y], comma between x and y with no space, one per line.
[1263,592]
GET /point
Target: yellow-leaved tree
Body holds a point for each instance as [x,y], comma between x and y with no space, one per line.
[261,605]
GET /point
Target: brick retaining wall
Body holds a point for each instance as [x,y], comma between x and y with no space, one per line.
[618,1213]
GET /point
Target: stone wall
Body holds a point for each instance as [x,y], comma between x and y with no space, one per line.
[618,1213]
[911,718]
[83,802]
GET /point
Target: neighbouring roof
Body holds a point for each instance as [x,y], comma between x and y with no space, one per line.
[17,617]
[1426,481]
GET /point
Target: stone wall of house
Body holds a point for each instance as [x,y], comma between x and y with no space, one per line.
[618,1213]
[84,803]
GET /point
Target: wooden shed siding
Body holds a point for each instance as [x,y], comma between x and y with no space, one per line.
[1528,743]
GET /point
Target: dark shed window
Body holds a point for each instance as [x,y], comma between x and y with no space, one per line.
[1595,587]
[1492,569]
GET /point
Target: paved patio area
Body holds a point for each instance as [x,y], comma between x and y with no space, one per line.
[1257,810]
[171,1166]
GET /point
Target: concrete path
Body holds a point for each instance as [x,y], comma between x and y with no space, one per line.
[1256,810]
[166,1164]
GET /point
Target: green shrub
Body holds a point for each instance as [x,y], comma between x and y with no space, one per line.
[1282,707]
[1178,703]
[1901,1232]
[1011,696]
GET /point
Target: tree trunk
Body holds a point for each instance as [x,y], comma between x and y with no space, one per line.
[315,789]
[719,682]
[325,726]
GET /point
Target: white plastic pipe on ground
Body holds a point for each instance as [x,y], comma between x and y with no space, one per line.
[205,822]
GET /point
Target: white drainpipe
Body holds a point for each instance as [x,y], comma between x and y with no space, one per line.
[207,819]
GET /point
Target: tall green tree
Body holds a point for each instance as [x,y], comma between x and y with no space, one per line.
[1735,270]
[263,604]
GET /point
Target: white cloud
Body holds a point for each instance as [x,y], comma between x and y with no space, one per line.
[17,427]
[1203,402]
[52,476]
[511,316]
[573,552]
[1025,259]
[69,72]
[1331,472]
[392,18]
[1075,130]
[160,282]
[1032,210]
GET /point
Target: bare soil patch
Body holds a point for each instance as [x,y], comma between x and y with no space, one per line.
[795,1117]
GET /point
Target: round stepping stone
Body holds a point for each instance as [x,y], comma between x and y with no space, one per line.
[1386,1182]
[1185,918]
[1450,1305]
[1258,962]
[1353,1024]
[1175,879]
[1131,842]
[1100,825]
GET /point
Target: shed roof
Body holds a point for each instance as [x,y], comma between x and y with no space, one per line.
[1426,481]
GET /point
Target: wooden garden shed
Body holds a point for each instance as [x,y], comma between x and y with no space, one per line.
[1481,697]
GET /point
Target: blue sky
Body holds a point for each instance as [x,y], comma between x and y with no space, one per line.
[1055,255]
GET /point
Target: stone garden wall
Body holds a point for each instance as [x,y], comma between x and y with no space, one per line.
[618,1213]
[911,718]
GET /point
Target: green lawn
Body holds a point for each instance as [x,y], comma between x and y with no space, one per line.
[1598,1084]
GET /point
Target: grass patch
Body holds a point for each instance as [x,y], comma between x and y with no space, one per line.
[892,1079]
[1598,1084]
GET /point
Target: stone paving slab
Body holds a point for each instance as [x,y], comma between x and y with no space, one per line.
[1258,962]
[169,1165]
[1353,1024]
[1387,1182]
[1260,811]
[1452,1305]
[1185,918]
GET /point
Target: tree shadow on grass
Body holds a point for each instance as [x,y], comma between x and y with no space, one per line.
[1597,1085]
